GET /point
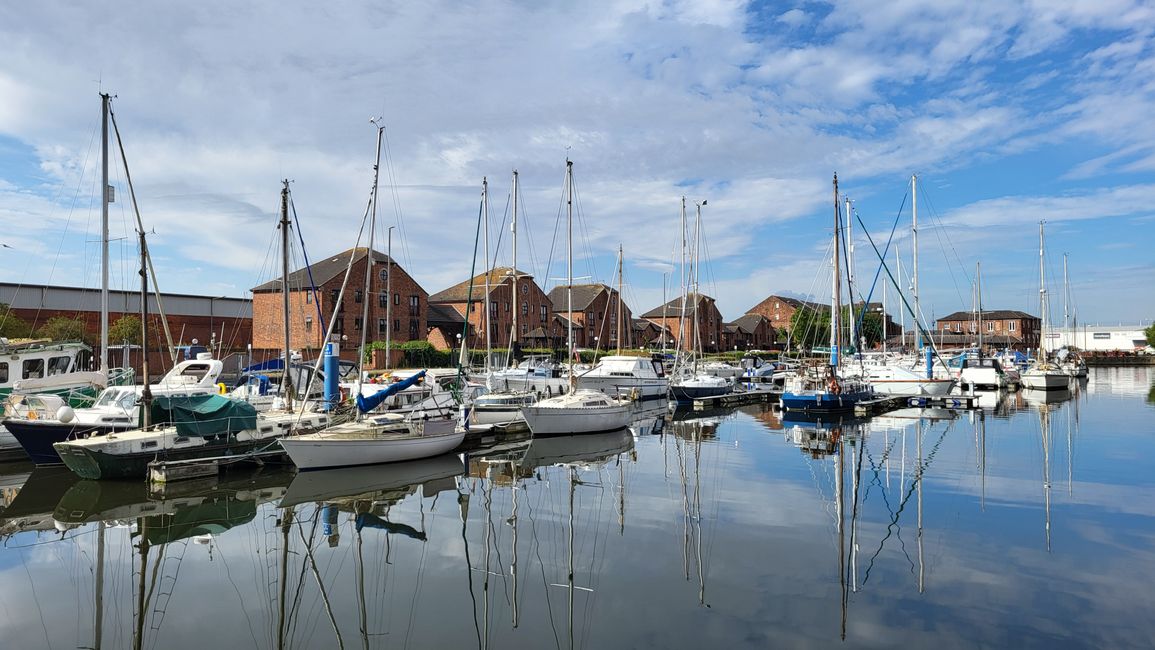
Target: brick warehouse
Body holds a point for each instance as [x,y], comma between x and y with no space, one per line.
[595,316]
[223,322]
[700,307]
[307,320]
[532,305]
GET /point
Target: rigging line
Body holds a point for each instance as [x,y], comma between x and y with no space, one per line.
[392,175]
[885,252]
[240,597]
[305,255]
[939,230]
[541,565]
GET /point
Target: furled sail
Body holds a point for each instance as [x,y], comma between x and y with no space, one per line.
[366,404]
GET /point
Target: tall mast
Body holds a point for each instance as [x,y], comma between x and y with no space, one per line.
[979,297]
[388,298]
[696,264]
[914,246]
[1042,300]
[287,379]
[850,327]
[488,301]
[1066,298]
[901,312]
[682,316]
[513,229]
[619,298]
[146,391]
[105,192]
[836,292]
[369,261]
[569,266]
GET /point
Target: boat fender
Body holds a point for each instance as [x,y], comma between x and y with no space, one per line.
[833,386]
[222,389]
[65,414]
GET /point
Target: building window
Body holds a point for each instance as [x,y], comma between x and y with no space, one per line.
[544,315]
[524,329]
[472,306]
[334,294]
[396,299]
[414,304]
[412,329]
[507,306]
[396,324]
[382,300]
[309,297]
[525,309]
[357,322]
[357,296]
[308,323]
[1010,326]
[990,327]
[958,327]
[381,326]
[338,325]
[383,274]
[492,307]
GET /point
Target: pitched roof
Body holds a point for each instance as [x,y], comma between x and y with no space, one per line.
[460,291]
[583,296]
[750,322]
[995,314]
[322,271]
[673,308]
[796,303]
[443,315]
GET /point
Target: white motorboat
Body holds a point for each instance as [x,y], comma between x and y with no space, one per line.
[627,376]
[500,408]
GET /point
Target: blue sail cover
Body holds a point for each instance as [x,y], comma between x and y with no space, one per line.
[366,404]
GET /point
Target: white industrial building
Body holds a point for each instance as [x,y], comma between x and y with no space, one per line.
[1098,338]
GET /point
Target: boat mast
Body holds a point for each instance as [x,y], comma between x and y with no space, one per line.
[569,267]
[488,298]
[836,292]
[696,264]
[513,337]
[369,260]
[146,391]
[682,316]
[851,326]
[388,298]
[619,298]
[1066,298]
[105,192]
[287,378]
[914,246]
[665,303]
[1042,301]
[979,296]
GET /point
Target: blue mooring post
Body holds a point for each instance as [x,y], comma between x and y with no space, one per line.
[929,362]
[332,388]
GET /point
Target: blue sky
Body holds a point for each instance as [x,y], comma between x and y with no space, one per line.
[1008,112]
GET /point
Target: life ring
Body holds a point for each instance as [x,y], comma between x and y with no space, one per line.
[222,389]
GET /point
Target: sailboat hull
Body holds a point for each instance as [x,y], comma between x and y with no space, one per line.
[823,402]
[543,420]
[323,450]
[37,437]
[1045,380]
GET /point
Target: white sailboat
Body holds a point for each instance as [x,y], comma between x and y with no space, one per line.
[372,438]
[1043,375]
[581,410]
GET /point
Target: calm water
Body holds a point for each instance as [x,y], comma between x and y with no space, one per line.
[1028,524]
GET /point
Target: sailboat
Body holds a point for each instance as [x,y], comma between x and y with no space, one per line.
[195,426]
[581,410]
[1071,361]
[693,382]
[40,367]
[1043,375]
[827,392]
[375,438]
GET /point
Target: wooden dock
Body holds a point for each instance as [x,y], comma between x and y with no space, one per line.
[167,471]
[945,401]
[880,405]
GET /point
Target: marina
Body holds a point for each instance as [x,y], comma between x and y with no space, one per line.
[735,527]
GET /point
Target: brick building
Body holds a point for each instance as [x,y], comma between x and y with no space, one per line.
[699,307]
[531,304]
[406,303]
[595,315]
[649,334]
[750,332]
[779,310]
[222,323]
[1020,328]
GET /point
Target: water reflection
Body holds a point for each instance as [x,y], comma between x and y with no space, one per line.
[924,527]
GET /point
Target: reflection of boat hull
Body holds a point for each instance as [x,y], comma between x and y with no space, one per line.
[587,448]
[332,484]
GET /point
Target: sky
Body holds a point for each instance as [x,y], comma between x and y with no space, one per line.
[1009,113]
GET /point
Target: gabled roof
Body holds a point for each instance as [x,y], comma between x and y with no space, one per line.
[995,314]
[443,315]
[796,303]
[323,271]
[460,291]
[749,322]
[583,296]
[673,308]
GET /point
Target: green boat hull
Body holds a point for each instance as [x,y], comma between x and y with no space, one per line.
[97,465]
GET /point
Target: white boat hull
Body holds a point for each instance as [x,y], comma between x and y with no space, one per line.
[571,414]
[913,387]
[1044,380]
[326,449]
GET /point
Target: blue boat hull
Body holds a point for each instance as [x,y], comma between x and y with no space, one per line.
[37,438]
[814,402]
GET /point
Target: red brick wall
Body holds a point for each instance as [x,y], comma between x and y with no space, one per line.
[501,321]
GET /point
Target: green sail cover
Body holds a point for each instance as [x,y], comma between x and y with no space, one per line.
[204,415]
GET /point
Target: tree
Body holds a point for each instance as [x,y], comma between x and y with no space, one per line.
[810,328]
[125,330]
[1150,332]
[11,326]
[63,328]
